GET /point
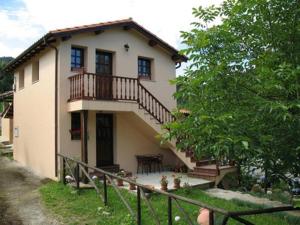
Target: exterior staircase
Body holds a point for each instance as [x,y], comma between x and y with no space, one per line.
[150,110]
[208,169]
[204,168]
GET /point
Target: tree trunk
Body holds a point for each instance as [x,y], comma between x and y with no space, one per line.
[266,179]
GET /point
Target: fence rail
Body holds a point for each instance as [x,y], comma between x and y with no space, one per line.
[90,86]
[137,214]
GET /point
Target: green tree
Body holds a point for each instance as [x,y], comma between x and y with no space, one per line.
[242,86]
[6,79]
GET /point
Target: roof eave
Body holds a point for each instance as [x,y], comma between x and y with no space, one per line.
[35,48]
[52,35]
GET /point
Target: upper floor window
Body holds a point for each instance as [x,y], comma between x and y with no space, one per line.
[35,71]
[77,58]
[21,79]
[144,68]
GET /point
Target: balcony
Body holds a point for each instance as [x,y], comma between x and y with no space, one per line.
[93,87]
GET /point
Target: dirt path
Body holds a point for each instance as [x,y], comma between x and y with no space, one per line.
[19,197]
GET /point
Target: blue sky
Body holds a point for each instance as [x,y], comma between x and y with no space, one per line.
[25,21]
[5,4]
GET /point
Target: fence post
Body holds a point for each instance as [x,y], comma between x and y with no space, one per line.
[105,190]
[169,211]
[77,176]
[63,171]
[139,210]
[211,218]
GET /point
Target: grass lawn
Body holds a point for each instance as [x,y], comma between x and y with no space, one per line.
[87,208]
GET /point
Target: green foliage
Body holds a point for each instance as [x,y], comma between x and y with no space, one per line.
[6,79]
[242,85]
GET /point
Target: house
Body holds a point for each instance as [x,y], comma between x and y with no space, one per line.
[99,93]
[6,117]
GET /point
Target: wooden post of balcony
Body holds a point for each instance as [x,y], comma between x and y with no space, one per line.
[84,141]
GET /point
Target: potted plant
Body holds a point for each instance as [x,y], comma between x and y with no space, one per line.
[131,185]
[177,180]
[108,180]
[231,162]
[120,181]
[164,183]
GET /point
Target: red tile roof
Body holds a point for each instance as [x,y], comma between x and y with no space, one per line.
[95,25]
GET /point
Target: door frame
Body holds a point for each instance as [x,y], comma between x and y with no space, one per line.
[104,85]
[99,163]
[104,52]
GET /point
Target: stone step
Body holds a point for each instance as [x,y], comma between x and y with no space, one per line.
[202,176]
[211,171]
[205,162]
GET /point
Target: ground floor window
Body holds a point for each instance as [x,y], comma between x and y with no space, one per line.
[75,126]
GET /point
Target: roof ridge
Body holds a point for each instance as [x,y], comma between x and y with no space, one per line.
[92,25]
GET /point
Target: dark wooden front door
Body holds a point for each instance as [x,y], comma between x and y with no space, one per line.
[104,139]
[104,72]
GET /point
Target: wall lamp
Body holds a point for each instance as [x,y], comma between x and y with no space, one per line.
[126,46]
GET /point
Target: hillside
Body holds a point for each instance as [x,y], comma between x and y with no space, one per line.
[5,59]
[6,79]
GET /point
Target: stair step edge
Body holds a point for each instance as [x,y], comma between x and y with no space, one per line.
[202,174]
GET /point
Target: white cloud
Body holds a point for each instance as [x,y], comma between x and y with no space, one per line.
[9,51]
[17,25]
[165,18]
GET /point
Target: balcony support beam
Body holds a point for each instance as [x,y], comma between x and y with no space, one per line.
[84,139]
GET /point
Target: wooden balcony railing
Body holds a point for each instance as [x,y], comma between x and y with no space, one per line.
[90,86]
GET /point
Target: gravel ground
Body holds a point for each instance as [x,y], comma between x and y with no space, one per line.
[19,196]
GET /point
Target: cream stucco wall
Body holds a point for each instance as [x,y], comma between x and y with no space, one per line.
[131,137]
[7,129]
[34,117]
[124,64]
[34,104]
[136,138]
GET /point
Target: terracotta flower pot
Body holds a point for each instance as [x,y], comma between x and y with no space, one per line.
[164,187]
[176,184]
[231,163]
[203,217]
[120,182]
[108,181]
[132,187]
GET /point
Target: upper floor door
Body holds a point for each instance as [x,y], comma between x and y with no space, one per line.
[104,72]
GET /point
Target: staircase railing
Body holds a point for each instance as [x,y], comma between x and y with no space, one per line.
[153,106]
[91,86]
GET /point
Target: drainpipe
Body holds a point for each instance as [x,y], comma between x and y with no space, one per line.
[178,65]
[55,105]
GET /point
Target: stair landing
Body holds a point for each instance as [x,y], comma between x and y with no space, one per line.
[210,172]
